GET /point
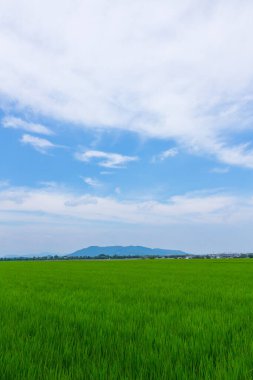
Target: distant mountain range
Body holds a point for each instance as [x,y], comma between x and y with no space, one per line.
[125,251]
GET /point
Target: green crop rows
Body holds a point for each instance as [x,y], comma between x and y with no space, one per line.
[132,319]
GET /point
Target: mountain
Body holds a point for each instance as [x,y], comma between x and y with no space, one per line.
[125,251]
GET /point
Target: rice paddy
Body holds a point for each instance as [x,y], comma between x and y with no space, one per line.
[132,319]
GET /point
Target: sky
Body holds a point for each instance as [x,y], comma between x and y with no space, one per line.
[126,123]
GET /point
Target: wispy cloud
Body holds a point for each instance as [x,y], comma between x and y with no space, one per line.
[41,145]
[165,76]
[165,154]
[4,183]
[16,123]
[105,159]
[106,172]
[50,184]
[93,182]
[188,208]
[239,155]
[220,170]
[51,213]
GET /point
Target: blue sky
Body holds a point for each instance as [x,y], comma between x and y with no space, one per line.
[126,125]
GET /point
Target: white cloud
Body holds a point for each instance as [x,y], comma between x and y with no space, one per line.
[35,220]
[179,70]
[220,170]
[106,172]
[105,159]
[49,184]
[41,145]
[239,155]
[165,154]
[4,183]
[16,123]
[93,182]
[60,203]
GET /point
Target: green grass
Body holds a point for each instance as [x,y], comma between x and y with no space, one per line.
[140,319]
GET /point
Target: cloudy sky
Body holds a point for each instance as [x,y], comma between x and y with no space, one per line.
[126,123]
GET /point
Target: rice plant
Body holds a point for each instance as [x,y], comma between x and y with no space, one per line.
[135,319]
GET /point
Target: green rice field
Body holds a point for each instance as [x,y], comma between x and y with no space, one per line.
[126,319]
